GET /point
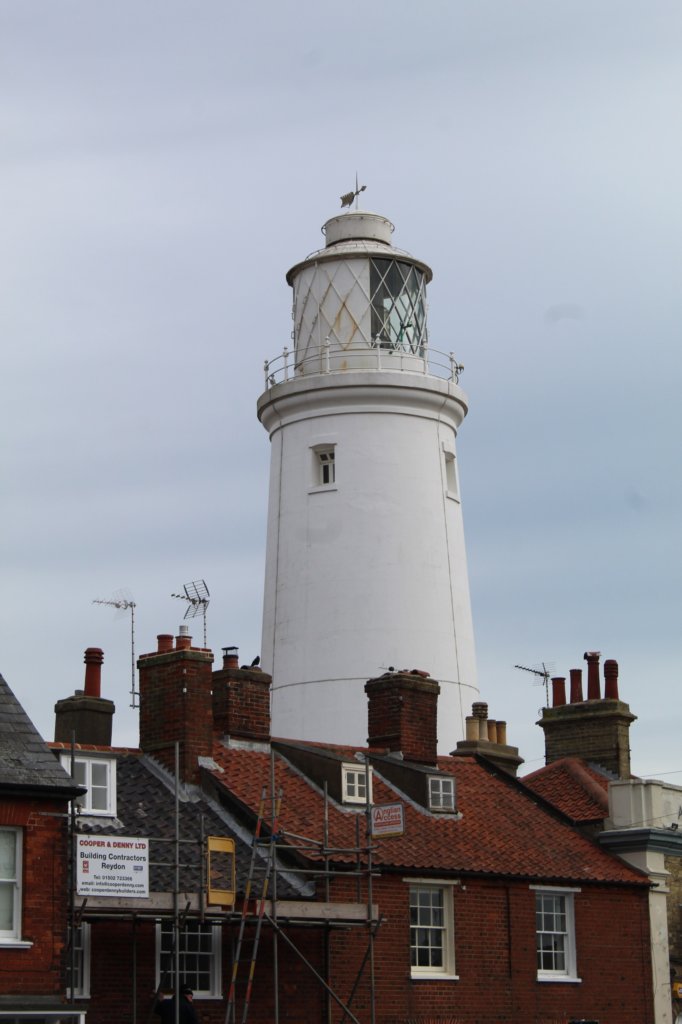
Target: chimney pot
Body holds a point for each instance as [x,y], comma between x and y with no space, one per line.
[471,727]
[611,679]
[479,709]
[593,689]
[492,730]
[502,733]
[164,642]
[183,640]
[576,685]
[94,656]
[230,657]
[559,691]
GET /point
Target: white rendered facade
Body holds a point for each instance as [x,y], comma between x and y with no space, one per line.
[365,564]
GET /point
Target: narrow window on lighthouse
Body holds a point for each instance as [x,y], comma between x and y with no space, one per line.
[327,469]
[324,465]
[450,475]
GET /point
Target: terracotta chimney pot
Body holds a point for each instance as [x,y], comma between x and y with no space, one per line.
[593,689]
[164,642]
[576,685]
[94,656]
[502,733]
[611,679]
[559,691]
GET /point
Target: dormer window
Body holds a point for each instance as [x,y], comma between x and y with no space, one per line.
[355,778]
[441,793]
[99,776]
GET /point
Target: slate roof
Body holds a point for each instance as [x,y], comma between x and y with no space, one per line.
[26,764]
[145,800]
[575,787]
[502,831]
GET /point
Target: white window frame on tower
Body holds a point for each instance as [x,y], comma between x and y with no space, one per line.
[101,791]
[432,929]
[323,467]
[354,789]
[555,933]
[451,482]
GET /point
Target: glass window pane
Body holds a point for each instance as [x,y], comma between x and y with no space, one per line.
[6,906]
[8,854]
[100,773]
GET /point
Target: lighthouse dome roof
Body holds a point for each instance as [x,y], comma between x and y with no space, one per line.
[358,233]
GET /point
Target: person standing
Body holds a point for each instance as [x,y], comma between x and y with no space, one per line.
[165,1008]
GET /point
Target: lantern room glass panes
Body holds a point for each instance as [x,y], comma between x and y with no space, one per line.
[398,306]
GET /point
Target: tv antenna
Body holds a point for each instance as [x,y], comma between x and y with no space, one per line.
[544,675]
[197,596]
[123,601]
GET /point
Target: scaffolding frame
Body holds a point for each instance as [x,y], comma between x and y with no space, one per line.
[274,911]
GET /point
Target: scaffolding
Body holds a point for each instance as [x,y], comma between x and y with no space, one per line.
[270,848]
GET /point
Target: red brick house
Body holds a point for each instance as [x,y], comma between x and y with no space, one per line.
[587,777]
[480,904]
[34,802]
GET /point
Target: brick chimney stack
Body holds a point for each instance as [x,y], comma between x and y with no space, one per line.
[86,717]
[402,714]
[175,703]
[596,729]
[241,700]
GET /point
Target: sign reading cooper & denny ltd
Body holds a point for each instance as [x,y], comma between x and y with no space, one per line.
[112,866]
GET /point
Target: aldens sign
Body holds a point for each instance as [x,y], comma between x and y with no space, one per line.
[112,866]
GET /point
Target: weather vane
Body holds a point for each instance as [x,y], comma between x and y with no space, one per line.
[347,199]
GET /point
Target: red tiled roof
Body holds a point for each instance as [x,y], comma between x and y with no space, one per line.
[501,831]
[571,785]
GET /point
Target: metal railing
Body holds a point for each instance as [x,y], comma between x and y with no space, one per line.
[428,362]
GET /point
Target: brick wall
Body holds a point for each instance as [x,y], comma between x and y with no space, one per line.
[596,730]
[402,715]
[175,705]
[495,962]
[241,703]
[38,970]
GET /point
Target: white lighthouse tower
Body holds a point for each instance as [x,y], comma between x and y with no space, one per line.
[366,564]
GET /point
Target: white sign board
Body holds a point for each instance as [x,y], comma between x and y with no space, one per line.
[112,866]
[388,820]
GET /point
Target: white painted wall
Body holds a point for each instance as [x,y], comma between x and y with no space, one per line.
[372,571]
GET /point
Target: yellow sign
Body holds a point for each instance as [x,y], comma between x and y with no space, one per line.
[221,871]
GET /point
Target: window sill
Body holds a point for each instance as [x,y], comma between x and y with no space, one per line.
[15,944]
[426,976]
[320,488]
[561,978]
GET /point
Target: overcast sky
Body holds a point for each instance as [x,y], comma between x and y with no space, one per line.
[162,165]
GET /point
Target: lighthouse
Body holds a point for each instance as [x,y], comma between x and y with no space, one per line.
[365,561]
